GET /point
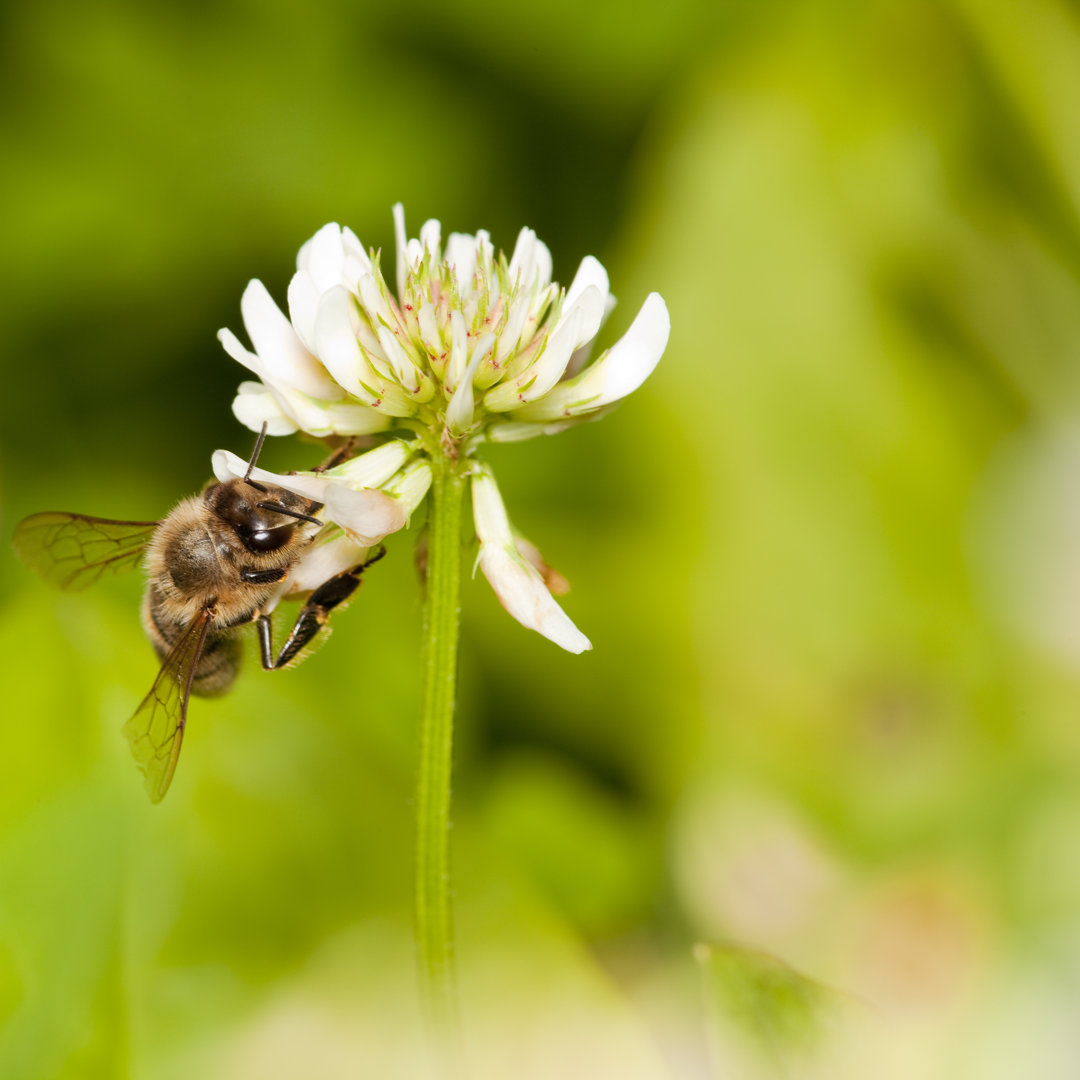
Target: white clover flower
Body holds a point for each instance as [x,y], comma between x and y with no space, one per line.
[470,348]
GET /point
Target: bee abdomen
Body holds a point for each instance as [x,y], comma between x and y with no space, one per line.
[218,666]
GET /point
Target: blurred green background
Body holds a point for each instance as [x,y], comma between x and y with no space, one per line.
[829,555]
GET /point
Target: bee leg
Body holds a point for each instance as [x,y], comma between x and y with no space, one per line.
[266,641]
[264,577]
[342,453]
[313,615]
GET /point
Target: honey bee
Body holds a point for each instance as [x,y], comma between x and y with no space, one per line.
[219,561]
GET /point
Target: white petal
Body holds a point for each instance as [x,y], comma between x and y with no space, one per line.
[367,515]
[405,371]
[323,561]
[236,349]
[374,468]
[429,328]
[523,261]
[542,265]
[303,306]
[411,485]
[590,272]
[336,344]
[547,369]
[459,413]
[485,251]
[326,257]
[522,592]
[414,256]
[461,255]
[254,405]
[334,256]
[356,259]
[401,243]
[286,360]
[430,237]
[302,411]
[517,583]
[345,419]
[375,305]
[459,343]
[511,332]
[620,371]
[582,355]
[519,431]
[489,512]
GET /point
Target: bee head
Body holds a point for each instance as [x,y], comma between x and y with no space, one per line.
[264,518]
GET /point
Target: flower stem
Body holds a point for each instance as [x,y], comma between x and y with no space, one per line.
[434,915]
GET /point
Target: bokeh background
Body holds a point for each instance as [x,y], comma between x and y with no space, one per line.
[829,555]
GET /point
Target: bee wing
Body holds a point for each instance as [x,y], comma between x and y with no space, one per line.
[157,728]
[73,551]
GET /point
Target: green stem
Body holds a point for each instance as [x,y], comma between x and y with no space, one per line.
[434,915]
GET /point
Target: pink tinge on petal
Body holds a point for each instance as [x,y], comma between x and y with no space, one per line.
[522,592]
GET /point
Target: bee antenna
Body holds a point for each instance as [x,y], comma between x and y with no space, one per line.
[279,509]
[255,457]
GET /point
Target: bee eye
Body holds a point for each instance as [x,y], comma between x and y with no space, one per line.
[264,540]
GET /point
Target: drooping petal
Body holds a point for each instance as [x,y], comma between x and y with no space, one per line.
[517,583]
[620,371]
[522,592]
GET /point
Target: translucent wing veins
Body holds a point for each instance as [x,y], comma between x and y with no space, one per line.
[73,551]
[157,728]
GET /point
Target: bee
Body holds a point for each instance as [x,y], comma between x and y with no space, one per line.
[218,562]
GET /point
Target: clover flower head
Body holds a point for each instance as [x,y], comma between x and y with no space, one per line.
[469,347]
